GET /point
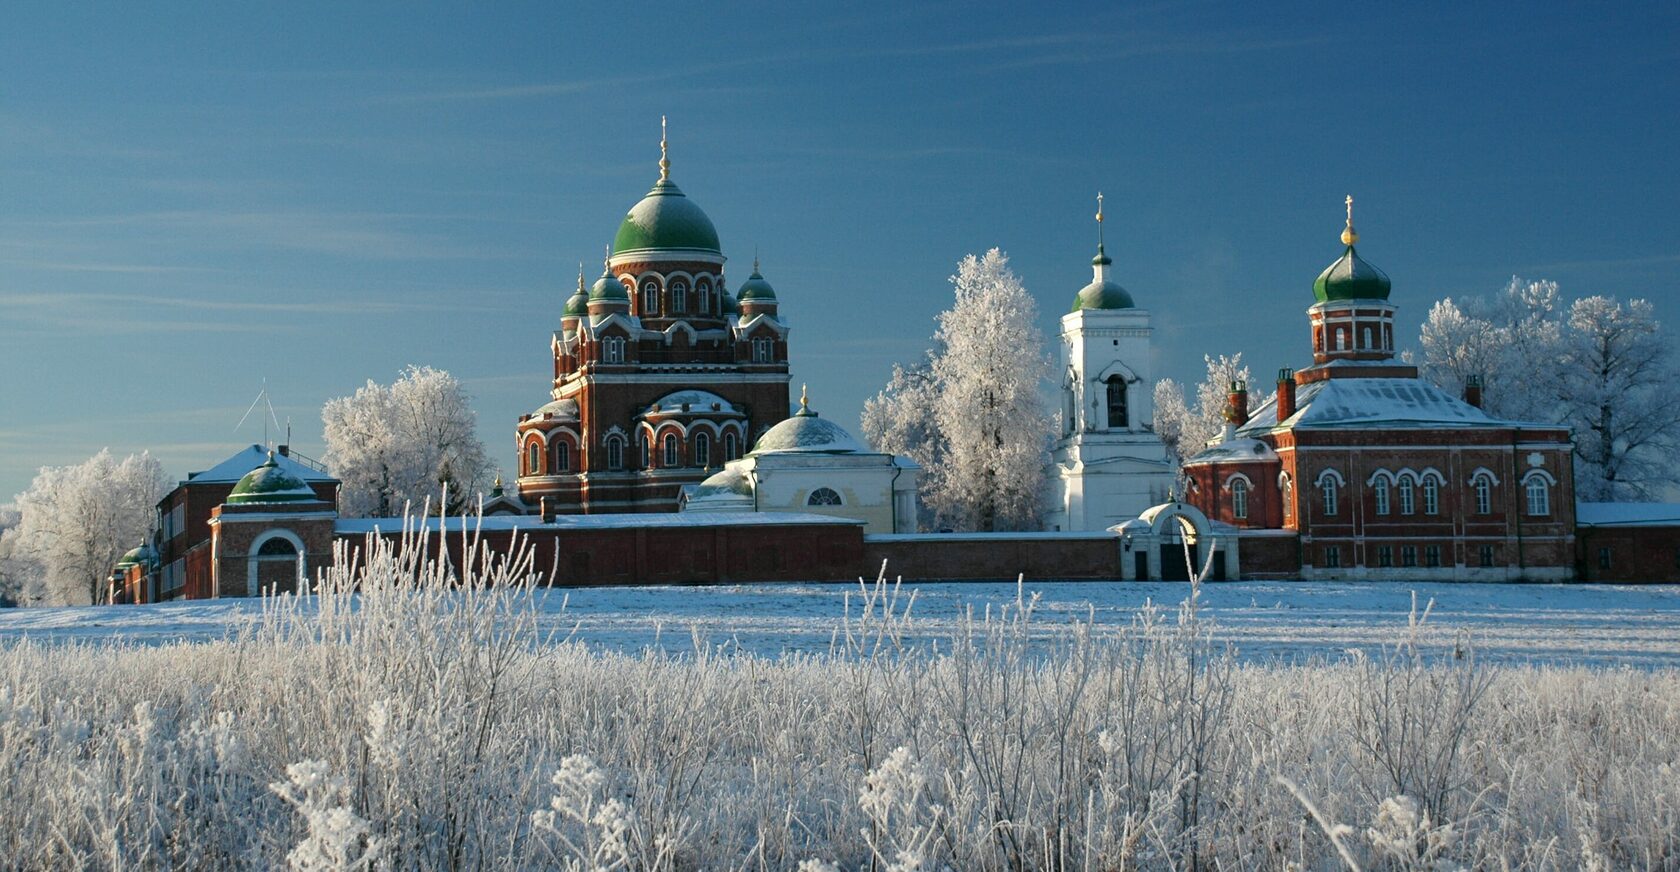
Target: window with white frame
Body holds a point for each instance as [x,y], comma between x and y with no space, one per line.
[1408,495]
[670,450]
[1484,494]
[1431,496]
[823,496]
[1539,496]
[679,298]
[1379,490]
[1328,486]
[764,350]
[702,449]
[533,459]
[642,446]
[731,446]
[650,299]
[705,293]
[562,457]
[1239,498]
[615,453]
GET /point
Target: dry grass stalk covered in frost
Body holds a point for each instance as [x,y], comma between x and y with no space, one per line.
[411,718]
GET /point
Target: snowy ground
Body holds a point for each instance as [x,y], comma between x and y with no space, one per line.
[1590,624]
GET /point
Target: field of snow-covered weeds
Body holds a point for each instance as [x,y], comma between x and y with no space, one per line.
[427,722]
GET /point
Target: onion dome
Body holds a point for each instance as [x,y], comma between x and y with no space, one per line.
[577,305]
[137,556]
[666,219]
[269,483]
[608,289]
[566,409]
[1101,293]
[806,433]
[755,288]
[1351,277]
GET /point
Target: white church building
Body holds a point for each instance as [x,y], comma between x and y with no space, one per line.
[1108,465]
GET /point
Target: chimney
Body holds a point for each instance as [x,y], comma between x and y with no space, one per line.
[1285,393]
[285,450]
[1236,409]
[1473,390]
[547,513]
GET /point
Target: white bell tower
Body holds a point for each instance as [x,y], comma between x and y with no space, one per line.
[1107,465]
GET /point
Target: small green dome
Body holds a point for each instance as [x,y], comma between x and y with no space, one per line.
[1351,278]
[608,288]
[1103,295]
[269,483]
[666,219]
[577,305]
[756,288]
[136,556]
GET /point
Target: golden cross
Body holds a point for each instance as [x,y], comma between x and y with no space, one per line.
[1099,207]
[664,157]
[1350,209]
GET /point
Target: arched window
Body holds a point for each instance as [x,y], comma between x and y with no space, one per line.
[612,349]
[533,459]
[1328,486]
[279,546]
[1379,489]
[1286,486]
[705,292]
[1366,336]
[1484,495]
[1116,402]
[702,450]
[1341,339]
[679,298]
[1239,498]
[670,450]
[823,496]
[562,457]
[650,299]
[731,446]
[642,446]
[1431,496]
[1408,496]
[1539,496]
[615,453]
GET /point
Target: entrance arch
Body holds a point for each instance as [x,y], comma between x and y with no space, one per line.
[1153,545]
[277,560]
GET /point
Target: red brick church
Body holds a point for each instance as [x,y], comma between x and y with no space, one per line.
[660,372]
[1379,473]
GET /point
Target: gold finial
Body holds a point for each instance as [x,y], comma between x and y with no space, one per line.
[580,276]
[664,155]
[498,479]
[1349,236]
[1099,220]
[606,259]
[804,398]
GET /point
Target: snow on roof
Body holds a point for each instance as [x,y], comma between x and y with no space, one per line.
[235,467]
[1390,402]
[595,522]
[1627,514]
[692,401]
[1233,450]
[1049,536]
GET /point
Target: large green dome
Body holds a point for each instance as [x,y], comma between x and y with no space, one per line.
[664,220]
[1351,277]
[269,483]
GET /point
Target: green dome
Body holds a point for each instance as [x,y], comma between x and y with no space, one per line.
[1103,295]
[136,556]
[666,219]
[270,484]
[1351,278]
[756,288]
[608,288]
[577,305]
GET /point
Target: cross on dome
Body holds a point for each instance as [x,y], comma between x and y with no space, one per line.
[1349,235]
[664,155]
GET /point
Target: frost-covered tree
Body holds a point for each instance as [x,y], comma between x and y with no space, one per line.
[76,521]
[1187,429]
[401,444]
[15,572]
[974,416]
[1617,376]
[1597,365]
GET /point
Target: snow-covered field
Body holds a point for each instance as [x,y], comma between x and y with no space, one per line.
[419,723]
[1289,620]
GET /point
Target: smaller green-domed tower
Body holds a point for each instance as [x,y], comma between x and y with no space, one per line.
[1102,292]
[1352,319]
[577,305]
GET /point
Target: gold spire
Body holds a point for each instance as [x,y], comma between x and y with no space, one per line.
[664,155]
[580,276]
[1349,236]
[606,260]
[804,399]
[498,478]
[1099,219]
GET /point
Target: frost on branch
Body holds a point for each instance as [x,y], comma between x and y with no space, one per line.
[337,838]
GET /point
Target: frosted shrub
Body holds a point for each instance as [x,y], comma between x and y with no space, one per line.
[338,840]
[1403,835]
[903,824]
[590,828]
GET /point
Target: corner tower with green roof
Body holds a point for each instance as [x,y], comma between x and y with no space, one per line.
[659,372]
[1108,465]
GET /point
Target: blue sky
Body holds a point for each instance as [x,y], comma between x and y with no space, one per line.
[196,198]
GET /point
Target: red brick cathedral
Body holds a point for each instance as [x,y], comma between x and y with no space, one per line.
[1380,473]
[660,373]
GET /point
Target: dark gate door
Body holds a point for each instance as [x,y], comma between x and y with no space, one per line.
[1172,561]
